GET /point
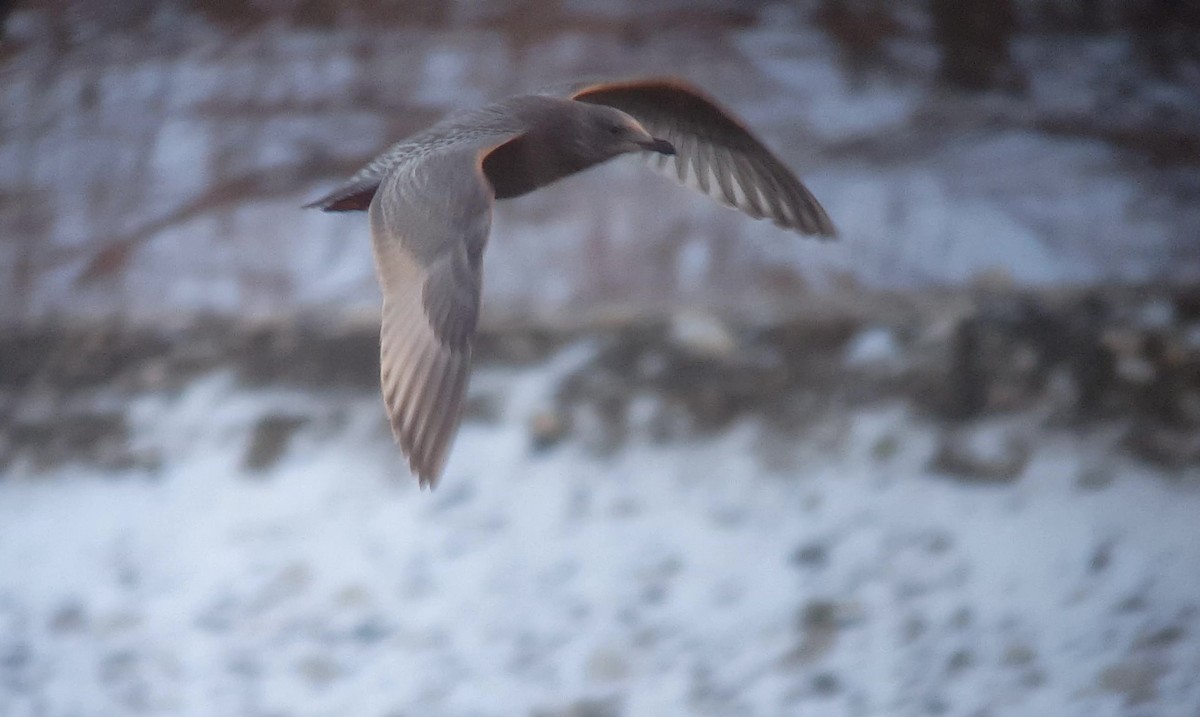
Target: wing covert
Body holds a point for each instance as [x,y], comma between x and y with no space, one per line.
[429,225]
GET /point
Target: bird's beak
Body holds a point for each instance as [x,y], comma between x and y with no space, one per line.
[661,146]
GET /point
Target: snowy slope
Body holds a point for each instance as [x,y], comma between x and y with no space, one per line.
[745,572]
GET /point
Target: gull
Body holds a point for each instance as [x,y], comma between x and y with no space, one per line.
[429,200]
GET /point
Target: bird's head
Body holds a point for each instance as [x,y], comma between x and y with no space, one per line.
[615,132]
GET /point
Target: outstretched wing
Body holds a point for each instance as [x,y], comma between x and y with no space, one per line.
[715,153]
[429,225]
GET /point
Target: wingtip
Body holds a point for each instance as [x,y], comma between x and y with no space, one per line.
[827,230]
[355,198]
[428,473]
[328,204]
[822,230]
[426,479]
[427,476]
[817,223]
[323,202]
[825,233]
[428,469]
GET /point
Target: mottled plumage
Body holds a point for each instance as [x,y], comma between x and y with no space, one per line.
[429,200]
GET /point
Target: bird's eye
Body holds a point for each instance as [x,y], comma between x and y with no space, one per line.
[615,129]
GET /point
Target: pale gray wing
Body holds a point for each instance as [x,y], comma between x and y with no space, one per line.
[461,128]
[715,153]
[429,225]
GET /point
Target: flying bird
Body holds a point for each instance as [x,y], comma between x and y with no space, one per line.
[429,201]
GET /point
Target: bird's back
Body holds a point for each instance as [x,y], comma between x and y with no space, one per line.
[463,129]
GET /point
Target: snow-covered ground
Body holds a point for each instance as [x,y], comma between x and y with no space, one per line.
[744,572]
[203,544]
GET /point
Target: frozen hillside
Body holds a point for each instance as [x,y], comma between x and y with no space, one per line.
[685,519]
[744,574]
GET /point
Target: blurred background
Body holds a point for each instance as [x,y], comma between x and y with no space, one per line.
[946,465]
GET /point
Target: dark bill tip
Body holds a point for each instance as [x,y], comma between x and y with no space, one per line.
[661,146]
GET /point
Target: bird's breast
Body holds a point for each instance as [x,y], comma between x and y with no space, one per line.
[530,161]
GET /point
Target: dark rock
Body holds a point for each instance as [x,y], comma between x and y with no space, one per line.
[974,37]
[1096,476]
[962,618]
[936,705]
[885,448]
[69,618]
[99,439]
[982,454]
[960,661]
[861,31]
[826,684]
[118,665]
[547,429]
[606,665]
[812,555]
[1133,603]
[308,356]
[371,631]
[670,423]
[914,628]
[1101,557]
[966,386]
[519,347]
[818,614]
[319,670]
[14,657]
[483,407]
[1137,681]
[76,358]
[940,542]
[608,707]
[1165,446]
[270,440]
[1164,637]
[1018,655]
[819,623]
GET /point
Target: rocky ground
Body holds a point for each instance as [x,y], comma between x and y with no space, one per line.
[972,503]
[1127,359]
